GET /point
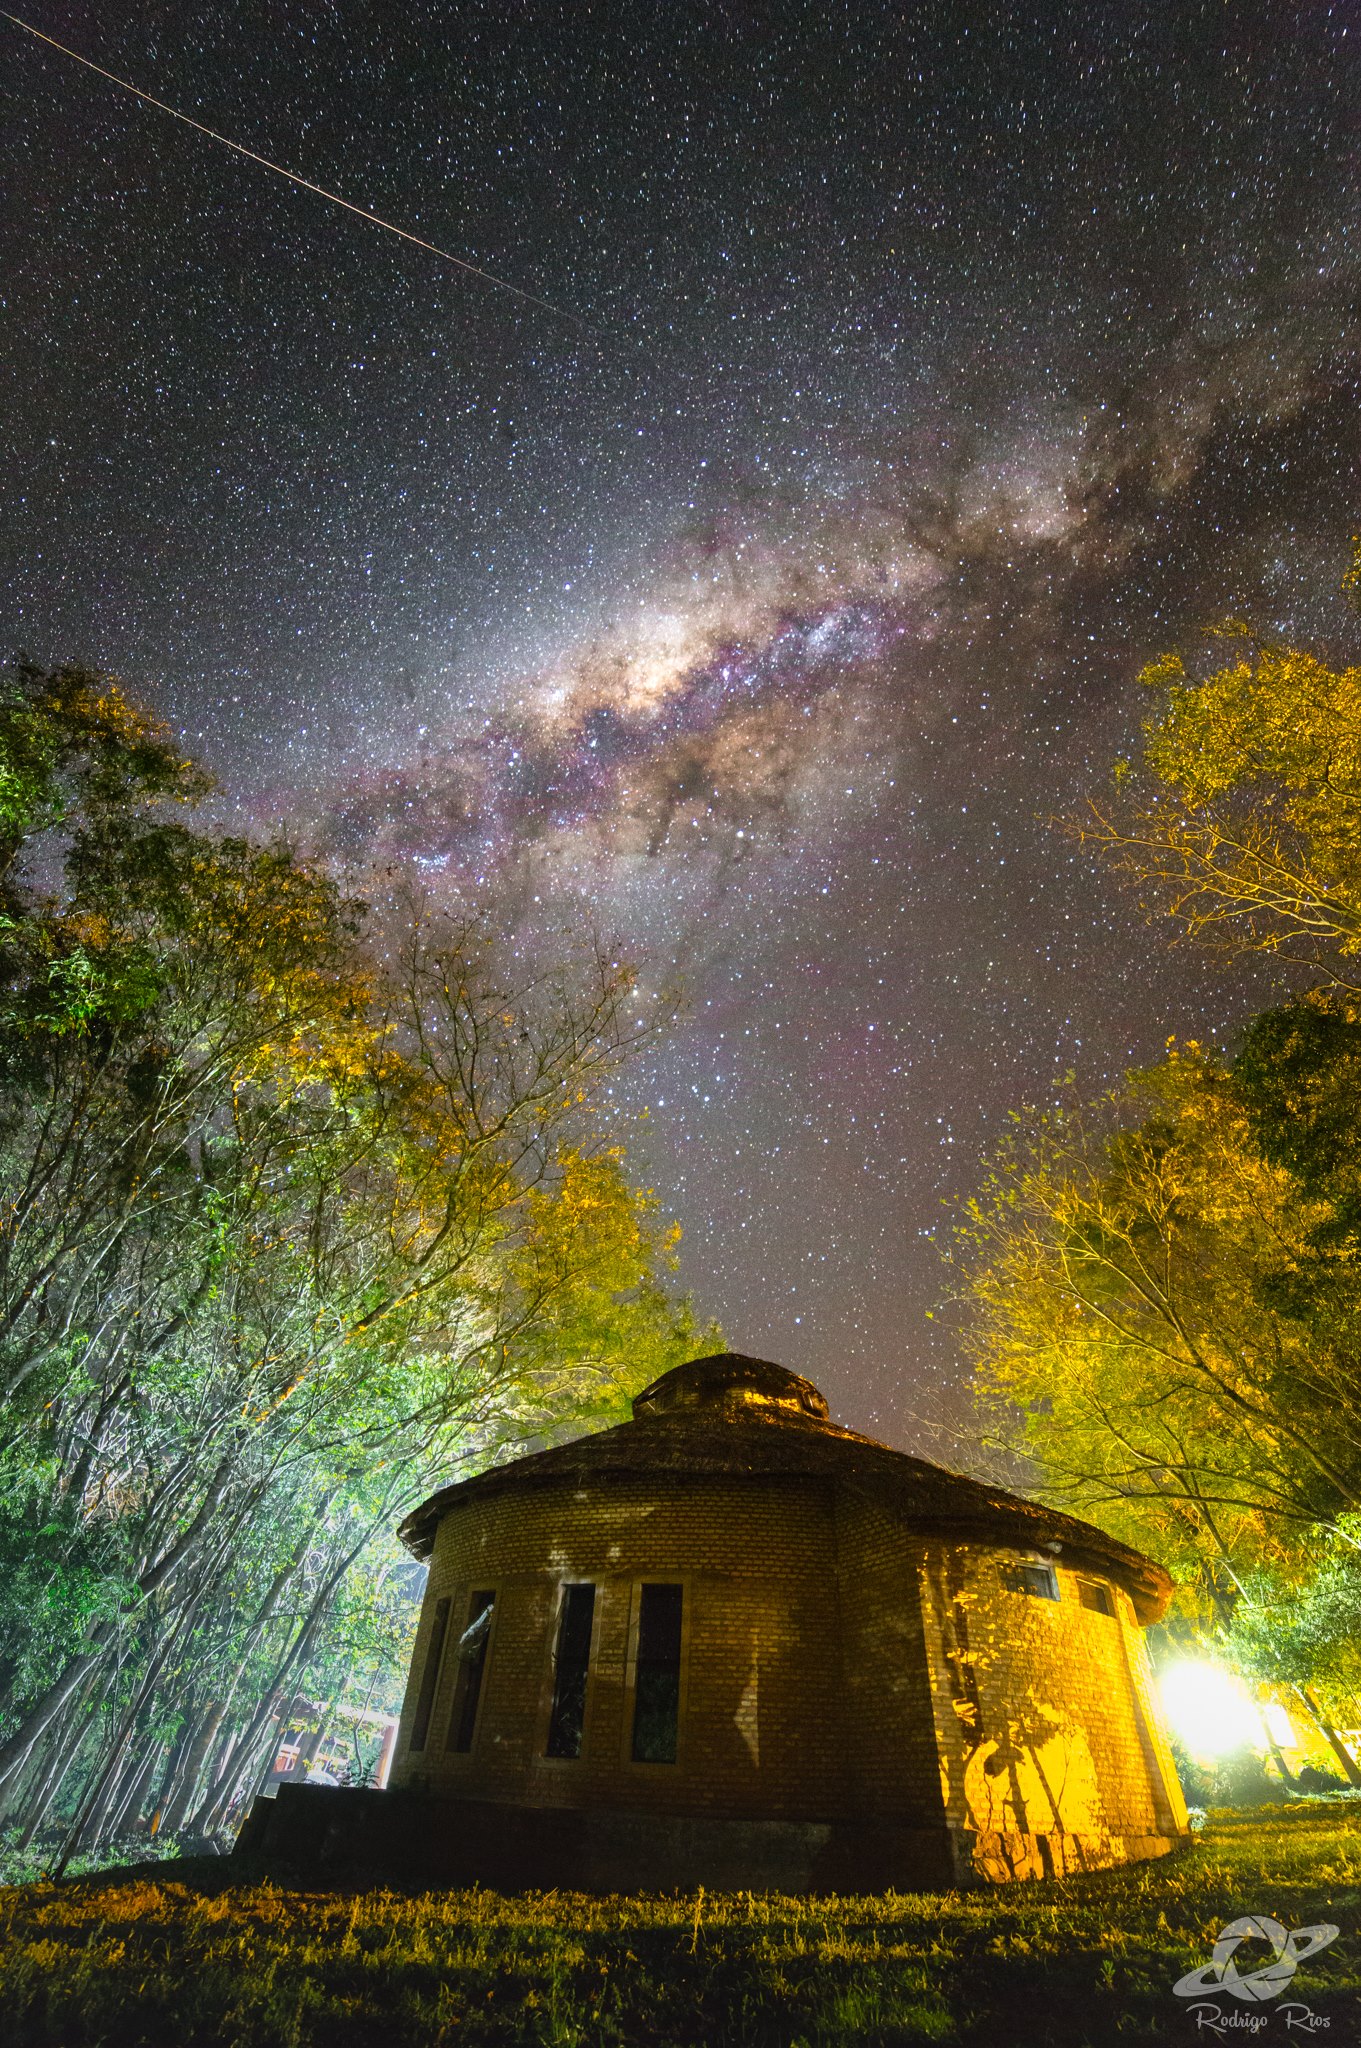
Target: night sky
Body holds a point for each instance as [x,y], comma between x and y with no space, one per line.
[943,365]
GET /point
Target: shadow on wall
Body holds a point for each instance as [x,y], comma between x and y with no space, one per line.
[1050,1751]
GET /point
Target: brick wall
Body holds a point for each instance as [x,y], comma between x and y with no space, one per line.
[893,1736]
[1043,1712]
[762,1728]
[834,1663]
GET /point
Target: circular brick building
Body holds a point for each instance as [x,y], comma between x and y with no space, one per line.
[730,1643]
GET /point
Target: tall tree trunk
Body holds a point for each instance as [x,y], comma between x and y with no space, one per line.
[59,1761]
[182,1796]
[97,1798]
[1331,1736]
[14,1753]
[15,1796]
[62,1758]
[288,1672]
[111,1778]
[125,1809]
[265,1761]
[177,1757]
[1282,1766]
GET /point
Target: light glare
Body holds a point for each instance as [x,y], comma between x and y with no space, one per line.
[1209,1709]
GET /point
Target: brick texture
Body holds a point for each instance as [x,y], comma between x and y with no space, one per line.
[1051,1752]
[837,1662]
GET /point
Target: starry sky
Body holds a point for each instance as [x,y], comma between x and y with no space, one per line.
[921,371]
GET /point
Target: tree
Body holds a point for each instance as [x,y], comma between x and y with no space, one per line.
[293,1222]
[1132,1287]
[1242,819]
[1301,1634]
[1165,1325]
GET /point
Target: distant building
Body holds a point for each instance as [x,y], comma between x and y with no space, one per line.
[730,1643]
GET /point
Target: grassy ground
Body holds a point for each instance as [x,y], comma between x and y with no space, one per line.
[184,1955]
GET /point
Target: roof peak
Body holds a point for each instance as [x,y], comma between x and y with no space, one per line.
[730,1382]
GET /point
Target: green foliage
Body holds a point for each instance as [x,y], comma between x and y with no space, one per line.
[1242,1779]
[1134,1327]
[1304,1629]
[1238,1780]
[203,1957]
[1351,581]
[1197,1779]
[72,747]
[1166,1300]
[292,1226]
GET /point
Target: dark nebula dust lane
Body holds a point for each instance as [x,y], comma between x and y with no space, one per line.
[952,362]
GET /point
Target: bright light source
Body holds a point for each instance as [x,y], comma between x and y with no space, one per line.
[1209,1710]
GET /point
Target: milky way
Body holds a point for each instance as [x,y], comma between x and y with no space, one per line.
[953,362]
[745,683]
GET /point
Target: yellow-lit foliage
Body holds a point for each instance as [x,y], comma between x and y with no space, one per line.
[1242,817]
[1121,1275]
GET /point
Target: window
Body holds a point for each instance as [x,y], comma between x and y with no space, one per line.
[1092,1593]
[471,1652]
[1039,1580]
[434,1657]
[656,1675]
[571,1664]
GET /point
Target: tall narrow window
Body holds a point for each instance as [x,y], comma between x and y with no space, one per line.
[471,1652]
[571,1662]
[656,1675]
[434,1656]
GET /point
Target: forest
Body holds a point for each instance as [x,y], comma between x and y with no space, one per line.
[302,1210]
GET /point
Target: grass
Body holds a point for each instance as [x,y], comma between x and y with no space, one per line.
[188,1954]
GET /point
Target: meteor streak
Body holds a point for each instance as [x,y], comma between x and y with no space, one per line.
[293,178]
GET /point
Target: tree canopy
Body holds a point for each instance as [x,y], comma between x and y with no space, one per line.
[1241,818]
[1159,1310]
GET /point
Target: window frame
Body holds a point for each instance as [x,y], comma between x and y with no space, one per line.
[544,1722]
[1012,1574]
[448,1753]
[1104,1603]
[685,1581]
[425,1711]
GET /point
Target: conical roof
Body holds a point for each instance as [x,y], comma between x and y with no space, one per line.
[731,1415]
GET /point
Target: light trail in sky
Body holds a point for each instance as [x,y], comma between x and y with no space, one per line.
[294,178]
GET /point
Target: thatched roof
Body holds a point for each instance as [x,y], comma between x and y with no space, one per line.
[728,1415]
